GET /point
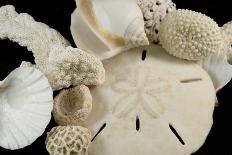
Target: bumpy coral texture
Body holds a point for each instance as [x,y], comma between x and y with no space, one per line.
[190,35]
[68,140]
[72,105]
[62,64]
[153,12]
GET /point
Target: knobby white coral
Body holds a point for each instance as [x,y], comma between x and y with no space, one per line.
[190,35]
[62,64]
[68,140]
[72,105]
[153,12]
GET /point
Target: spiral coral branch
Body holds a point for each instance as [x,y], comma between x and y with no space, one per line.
[190,35]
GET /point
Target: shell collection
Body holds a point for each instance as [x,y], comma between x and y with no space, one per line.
[116,90]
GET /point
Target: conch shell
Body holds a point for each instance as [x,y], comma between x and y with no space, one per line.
[107,27]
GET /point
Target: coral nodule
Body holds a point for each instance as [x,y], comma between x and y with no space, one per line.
[72,105]
[190,35]
[68,140]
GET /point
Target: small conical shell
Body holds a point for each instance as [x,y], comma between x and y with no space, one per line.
[106,28]
[26,101]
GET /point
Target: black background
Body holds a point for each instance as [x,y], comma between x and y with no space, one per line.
[56,14]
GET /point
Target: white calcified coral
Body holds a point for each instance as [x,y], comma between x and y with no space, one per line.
[51,51]
[68,140]
[190,35]
[153,12]
[72,105]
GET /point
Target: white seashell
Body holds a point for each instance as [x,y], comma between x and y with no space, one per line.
[107,27]
[218,68]
[25,107]
[146,96]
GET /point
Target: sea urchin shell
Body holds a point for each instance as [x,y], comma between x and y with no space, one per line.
[190,35]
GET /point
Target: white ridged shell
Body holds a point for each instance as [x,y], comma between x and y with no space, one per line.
[26,101]
[218,68]
[105,27]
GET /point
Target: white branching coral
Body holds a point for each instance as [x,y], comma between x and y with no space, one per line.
[68,140]
[153,12]
[73,105]
[62,64]
[190,35]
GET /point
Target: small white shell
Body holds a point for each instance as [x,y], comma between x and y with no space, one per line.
[25,107]
[218,68]
[106,27]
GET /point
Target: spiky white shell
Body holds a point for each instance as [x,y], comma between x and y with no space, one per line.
[105,27]
[25,107]
[153,12]
[190,35]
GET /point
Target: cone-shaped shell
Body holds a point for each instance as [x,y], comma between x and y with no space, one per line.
[105,27]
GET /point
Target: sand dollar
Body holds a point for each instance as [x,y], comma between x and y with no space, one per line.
[151,103]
